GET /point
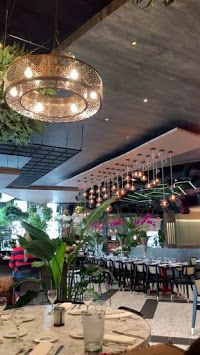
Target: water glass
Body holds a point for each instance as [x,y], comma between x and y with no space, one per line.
[52,295]
[93,328]
[18,316]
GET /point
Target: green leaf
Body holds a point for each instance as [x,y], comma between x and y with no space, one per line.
[34,232]
[57,264]
[96,214]
[32,280]
[26,298]
[42,249]
[38,264]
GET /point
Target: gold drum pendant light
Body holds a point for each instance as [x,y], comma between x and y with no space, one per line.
[53,88]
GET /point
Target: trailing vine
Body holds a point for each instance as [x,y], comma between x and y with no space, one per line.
[13,126]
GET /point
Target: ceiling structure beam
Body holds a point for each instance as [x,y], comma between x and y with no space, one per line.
[101,15]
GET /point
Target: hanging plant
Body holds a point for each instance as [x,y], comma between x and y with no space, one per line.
[146,3]
[14,127]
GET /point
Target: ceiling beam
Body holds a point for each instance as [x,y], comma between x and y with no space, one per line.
[101,15]
[45,188]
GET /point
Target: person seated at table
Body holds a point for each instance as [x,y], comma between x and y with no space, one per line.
[21,264]
[194,348]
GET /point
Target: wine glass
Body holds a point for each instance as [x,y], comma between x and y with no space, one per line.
[3,304]
[52,295]
[87,298]
[18,316]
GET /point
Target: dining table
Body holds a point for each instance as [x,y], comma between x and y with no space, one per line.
[124,331]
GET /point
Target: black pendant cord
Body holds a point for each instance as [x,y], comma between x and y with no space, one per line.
[56,31]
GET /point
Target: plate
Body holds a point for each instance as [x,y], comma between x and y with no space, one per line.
[75,312]
[52,338]
[13,334]
[28,318]
[76,334]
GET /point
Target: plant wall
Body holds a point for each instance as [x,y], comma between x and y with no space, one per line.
[14,127]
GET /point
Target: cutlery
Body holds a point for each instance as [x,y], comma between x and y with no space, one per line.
[60,348]
[128,335]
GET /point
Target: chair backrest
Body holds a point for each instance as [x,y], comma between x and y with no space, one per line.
[129,266]
[140,267]
[117,265]
[193,260]
[188,270]
[197,284]
[153,269]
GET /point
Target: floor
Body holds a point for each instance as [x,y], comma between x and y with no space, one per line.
[168,319]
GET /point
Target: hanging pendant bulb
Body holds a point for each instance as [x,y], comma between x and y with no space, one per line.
[103,189]
[109,209]
[118,193]
[133,188]
[148,185]
[91,202]
[164,203]
[135,174]
[144,178]
[127,186]
[98,204]
[113,188]
[99,199]
[92,191]
[85,194]
[97,191]
[123,192]
[172,197]
[127,178]
[154,183]
[158,181]
[140,174]
[105,196]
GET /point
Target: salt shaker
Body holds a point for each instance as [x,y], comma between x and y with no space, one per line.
[59,316]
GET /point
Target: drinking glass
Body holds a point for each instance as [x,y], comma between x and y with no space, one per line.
[3,304]
[52,295]
[18,316]
[93,329]
[88,297]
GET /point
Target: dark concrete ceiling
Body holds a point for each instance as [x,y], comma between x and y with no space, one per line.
[35,20]
[163,67]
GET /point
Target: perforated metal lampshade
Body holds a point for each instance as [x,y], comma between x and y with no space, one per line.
[53,88]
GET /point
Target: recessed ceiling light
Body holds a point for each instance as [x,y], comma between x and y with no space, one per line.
[145,100]
[106,119]
[134,43]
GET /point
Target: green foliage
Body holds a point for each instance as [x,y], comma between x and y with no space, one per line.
[39,220]
[161,237]
[13,126]
[11,213]
[52,252]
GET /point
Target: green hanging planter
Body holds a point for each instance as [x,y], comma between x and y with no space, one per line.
[14,127]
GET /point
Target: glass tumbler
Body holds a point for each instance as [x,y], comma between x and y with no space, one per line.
[93,328]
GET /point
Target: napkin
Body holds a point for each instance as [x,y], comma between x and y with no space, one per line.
[118,315]
[41,349]
[121,339]
[66,305]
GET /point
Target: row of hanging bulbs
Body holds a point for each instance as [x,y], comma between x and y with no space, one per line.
[119,182]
